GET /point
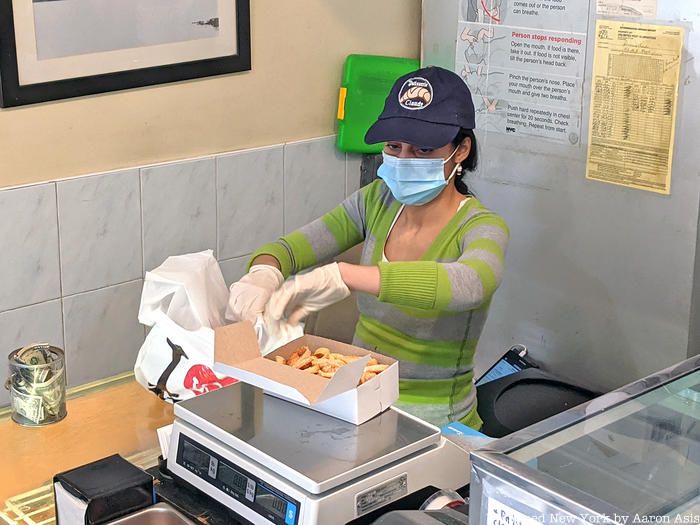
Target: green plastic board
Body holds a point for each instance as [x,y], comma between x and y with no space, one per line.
[367,80]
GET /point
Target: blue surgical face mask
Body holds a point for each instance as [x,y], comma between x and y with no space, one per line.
[415,181]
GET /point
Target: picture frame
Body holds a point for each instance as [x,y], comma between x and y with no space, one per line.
[58,49]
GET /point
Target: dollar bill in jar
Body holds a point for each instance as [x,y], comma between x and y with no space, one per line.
[35,355]
[37,384]
[29,406]
[51,392]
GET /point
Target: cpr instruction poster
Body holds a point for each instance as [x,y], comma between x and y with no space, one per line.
[523,61]
[634,96]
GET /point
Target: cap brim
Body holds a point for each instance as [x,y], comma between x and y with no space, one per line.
[412,131]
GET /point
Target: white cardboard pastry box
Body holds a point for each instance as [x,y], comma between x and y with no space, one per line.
[237,354]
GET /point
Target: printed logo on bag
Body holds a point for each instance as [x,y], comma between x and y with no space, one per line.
[201,379]
[416,93]
[161,387]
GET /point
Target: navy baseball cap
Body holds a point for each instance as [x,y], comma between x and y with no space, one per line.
[426,108]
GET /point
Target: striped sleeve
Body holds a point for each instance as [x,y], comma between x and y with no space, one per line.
[322,239]
[465,284]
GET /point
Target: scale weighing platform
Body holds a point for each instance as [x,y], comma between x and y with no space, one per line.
[274,462]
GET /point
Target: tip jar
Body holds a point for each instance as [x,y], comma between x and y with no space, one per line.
[37,384]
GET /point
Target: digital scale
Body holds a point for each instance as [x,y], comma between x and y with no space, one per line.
[274,462]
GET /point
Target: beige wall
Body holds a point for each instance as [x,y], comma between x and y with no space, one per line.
[298,48]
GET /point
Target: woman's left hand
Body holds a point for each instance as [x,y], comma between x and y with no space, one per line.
[307,293]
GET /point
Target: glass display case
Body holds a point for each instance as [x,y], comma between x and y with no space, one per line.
[630,456]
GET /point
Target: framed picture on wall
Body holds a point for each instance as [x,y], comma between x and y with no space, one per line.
[56,49]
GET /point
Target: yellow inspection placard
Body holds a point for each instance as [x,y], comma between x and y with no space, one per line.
[634,96]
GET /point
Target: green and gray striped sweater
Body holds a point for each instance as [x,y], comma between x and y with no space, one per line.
[430,312]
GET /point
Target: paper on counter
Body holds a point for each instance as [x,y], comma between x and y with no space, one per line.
[633,104]
[164,434]
[69,508]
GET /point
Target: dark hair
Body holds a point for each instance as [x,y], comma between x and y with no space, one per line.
[468,164]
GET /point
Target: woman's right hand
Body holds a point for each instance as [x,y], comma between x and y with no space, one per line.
[249,296]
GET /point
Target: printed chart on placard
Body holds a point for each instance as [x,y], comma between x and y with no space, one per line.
[633,104]
[629,8]
[523,61]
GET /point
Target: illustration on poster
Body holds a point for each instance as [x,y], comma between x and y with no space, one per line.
[491,106]
[476,72]
[484,11]
[476,51]
[519,59]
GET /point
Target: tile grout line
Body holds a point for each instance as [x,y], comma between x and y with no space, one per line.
[143,235]
[236,257]
[61,298]
[91,290]
[143,232]
[143,256]
[10,310]
[216,207]
[284,184]
[60,272]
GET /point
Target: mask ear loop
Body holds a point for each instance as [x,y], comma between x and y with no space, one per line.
[456,169]
[451,155]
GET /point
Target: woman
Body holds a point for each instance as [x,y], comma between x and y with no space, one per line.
[432,255]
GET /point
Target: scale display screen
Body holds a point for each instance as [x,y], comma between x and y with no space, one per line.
[197,458]
[247,489]
[233,479]
[271,501]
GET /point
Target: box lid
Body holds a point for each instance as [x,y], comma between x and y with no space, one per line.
[237,354]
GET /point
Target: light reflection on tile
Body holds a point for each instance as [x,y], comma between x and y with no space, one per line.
[102,332]
[314,180]
[179,209]
[29,269]
[250,201]
[100,230]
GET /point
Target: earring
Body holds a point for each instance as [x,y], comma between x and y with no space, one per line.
[459,169]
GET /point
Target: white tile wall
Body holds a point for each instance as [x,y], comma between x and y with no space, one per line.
[29,269]
[234,269]
[83,292]
[314,180]
[100,231]
[31,324]
[178,203]
[250,200]
[102,332]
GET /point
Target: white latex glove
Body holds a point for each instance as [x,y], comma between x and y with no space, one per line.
[307,293]
[250,294]
[271,337]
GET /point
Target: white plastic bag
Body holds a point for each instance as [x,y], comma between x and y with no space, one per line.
[177,364]
[189,289]
[184,300]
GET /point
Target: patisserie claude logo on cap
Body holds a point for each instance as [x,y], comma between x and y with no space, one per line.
[415,93]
